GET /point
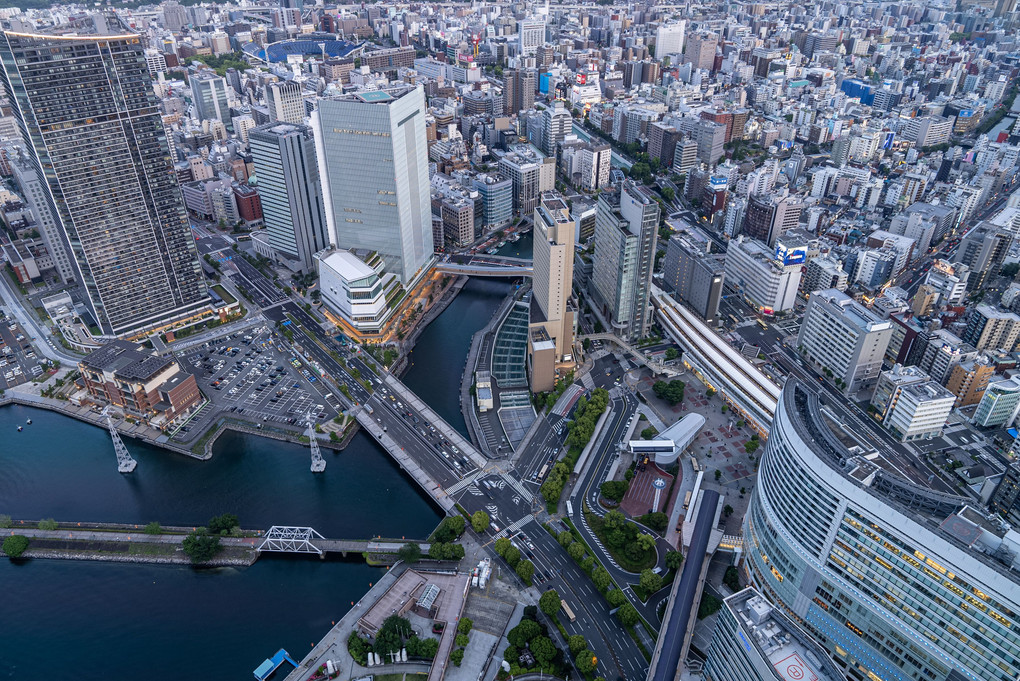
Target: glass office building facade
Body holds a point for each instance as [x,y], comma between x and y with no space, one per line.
[291,193]
[896,576]
[373,159]
[86,107]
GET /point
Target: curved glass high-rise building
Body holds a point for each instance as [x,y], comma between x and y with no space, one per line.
[896,575]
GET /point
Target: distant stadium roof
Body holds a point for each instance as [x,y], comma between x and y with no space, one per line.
[308,44]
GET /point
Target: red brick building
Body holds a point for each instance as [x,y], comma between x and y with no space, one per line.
[153,387]
[249,204]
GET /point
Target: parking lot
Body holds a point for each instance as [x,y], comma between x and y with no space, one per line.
[255,377]
[18,361]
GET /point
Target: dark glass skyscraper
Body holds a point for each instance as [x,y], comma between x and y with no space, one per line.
[86,106]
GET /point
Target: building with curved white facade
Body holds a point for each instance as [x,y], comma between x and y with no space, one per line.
[895,575]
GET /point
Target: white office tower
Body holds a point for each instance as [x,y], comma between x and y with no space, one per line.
[374,164]
[531,35]
[286,102]
[669,39]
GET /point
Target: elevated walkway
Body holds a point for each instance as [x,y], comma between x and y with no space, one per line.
[485,269]
[682,607]
[636,354]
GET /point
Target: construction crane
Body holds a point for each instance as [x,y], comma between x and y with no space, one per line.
[476,38]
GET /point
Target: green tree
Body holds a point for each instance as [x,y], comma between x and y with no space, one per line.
[462,640]
[501,545]
[576,550]
[513,556]
[672,353]
[222,524]
[614,489]
[549,602]
[732,578]
[668,194]
[465,625]
[674,559]
[657,521]
[457,656]
[565,538]
[48,524]
[616,598]
[525,570]
[543,649]
[727,510]
[650,581]
[480,521]
[645,542]
[15,545]
[585,661]
[628,615]
[649,432]
[751,446]
[153,528]
[601,578]
[409,553]
[525,631]
[200,547]
[576,643]
[718,474]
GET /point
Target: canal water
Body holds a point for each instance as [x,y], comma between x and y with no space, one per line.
[437,361]
[104,620]
[94,620]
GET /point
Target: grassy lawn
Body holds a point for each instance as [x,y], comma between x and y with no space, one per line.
[224,294]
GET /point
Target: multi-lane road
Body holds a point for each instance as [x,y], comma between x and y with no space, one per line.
[507,489]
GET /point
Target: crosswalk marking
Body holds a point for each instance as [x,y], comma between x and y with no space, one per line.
[461,484]
[473,489]
[517,486]
[510,529]
[587,382]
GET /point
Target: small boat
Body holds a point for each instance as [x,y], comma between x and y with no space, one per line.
[29,422]
[20,429]
[501,244]
[515,238]
[492,251]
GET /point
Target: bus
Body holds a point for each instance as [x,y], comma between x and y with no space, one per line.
[687,500]
[541,473]
[762,324]
[243,237]
[570,508]
[567,611]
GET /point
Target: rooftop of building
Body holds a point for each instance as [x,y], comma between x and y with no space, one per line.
[347,265]
[892,473]
[793,654]
[126,360]
[927,391]
[849,310]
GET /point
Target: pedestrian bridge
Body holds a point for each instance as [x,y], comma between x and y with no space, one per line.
[485,269]
[701,539]
[636,355]
[291,539]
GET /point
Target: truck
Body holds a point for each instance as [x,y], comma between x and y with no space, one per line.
[368,408]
